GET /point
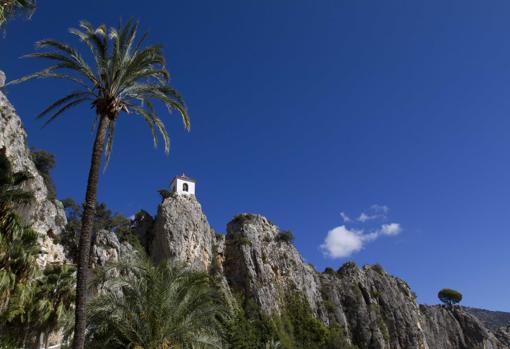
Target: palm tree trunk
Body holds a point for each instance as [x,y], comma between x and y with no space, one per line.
[87,223]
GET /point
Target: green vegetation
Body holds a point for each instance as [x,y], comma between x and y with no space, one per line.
[449,297]
[242,218]
[162,306]
[18,243]
[378,268]
[285,236]
[12,8]
[44,163]
[165,194]
[33,303]
[104,218]
[295,328]
[123,76]
[329,271]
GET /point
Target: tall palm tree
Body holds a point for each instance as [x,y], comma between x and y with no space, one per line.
[156,307]
[124,76]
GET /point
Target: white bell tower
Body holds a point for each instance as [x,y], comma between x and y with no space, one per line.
[183,185]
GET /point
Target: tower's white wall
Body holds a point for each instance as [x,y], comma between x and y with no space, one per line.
[177,187]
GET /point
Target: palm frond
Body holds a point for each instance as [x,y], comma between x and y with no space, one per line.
[59,102]
[64,108]
[124,76]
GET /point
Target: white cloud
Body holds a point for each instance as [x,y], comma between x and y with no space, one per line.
[343,241]
[390,229]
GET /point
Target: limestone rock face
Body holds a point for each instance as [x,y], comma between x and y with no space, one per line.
[447,328]
[181,233]
[378,310]
[260,266]
[108,249]
[375,309]
[47,217]
[2,79]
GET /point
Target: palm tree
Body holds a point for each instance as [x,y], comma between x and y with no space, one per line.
[156,307]
[12,193]
[53,299]
[18,243]
[124,77]
[10,8]
[19,250]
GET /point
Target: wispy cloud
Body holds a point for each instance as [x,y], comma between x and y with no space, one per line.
[345,217]
[343,241]
[374,212]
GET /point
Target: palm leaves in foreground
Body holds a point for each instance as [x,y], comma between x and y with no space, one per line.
[125,77]
[157,307]
[12,193]
[18,243]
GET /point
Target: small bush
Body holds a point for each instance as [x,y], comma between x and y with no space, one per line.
[164,194]
[347,266]
[449,296]
[329,271]
[378,268]
[44,162]
[285,236]
[241,218]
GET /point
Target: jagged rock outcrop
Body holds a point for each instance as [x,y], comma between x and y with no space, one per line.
[454,327]
[181,233]
[375,309]
[46,216]
[107,248]
[491,319]
[260,265]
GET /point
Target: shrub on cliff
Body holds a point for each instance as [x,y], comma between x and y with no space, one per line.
[449,297]
[44,162]
[285,236]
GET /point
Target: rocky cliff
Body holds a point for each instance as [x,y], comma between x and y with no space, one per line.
[374,309]
[181,232]
[257,260]
[46,216]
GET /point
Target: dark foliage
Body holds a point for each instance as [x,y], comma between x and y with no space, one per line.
[285,236]
[329,271]
[45,162]
[378,268]
[295,328]
[449,297]
[164,194]
[104,219]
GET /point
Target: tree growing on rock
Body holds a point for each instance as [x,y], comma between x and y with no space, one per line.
[123,77]
[449,297]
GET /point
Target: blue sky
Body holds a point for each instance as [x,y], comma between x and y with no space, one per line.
[302,110]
